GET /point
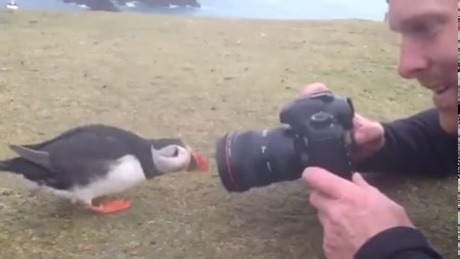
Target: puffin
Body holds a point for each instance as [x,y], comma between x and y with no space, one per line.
[87,162]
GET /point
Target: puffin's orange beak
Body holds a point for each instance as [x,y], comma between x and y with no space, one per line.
[199,163]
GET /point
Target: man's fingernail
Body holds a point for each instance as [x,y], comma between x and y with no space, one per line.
[310,169]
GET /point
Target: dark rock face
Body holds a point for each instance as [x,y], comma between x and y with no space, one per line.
[111,6]
[167,3]
[96,5]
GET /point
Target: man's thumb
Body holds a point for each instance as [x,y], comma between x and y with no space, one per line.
[314,88]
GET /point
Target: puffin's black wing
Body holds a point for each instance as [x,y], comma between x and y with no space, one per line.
[35,156]
[89,154]
[78,155]
[68,133]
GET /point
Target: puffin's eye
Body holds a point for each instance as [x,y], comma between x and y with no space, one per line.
[176,152]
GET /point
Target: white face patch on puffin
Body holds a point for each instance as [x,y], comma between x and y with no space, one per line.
[171,158]
[169,151]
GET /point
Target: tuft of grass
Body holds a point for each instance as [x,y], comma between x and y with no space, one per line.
[194,78]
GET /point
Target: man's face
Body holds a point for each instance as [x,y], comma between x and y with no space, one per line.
[429,50]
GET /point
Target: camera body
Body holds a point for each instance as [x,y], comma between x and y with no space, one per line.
[322,124]
[316,130]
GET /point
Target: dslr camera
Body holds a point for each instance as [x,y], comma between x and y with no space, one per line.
[316,130]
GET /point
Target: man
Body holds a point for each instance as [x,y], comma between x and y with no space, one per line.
[358,220]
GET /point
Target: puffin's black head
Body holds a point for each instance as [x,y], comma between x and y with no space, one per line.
[174,155]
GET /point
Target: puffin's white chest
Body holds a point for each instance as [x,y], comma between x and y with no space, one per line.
[125,174]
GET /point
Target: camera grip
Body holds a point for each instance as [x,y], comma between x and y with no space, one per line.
[330,156]
[329,149]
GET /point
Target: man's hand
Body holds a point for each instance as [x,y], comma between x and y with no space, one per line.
[350,212]
[368,134]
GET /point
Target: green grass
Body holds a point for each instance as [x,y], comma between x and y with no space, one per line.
[194,78]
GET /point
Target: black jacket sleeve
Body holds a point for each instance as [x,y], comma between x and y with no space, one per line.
[415,145]
[397,243]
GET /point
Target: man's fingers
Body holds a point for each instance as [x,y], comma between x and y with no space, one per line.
[323,220]
[359,180]
[358,120]
[314,88]
[326,182]
[320,201]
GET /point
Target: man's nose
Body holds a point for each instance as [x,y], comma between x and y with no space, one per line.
[413,60]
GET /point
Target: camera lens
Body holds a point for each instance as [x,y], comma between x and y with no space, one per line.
[257,158]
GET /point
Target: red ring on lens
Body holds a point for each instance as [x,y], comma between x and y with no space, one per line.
[228,145]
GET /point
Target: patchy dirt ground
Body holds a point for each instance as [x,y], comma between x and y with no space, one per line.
[194,78]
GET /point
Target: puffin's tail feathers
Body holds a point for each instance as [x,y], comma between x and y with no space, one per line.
[41,158]
[4,166]
[23,167]
[15,165]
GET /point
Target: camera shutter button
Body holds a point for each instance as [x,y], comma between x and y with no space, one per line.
[321,119]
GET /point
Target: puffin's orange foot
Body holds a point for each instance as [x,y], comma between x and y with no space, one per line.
[111,206]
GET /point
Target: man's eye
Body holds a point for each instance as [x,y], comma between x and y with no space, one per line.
[423,30]
[419,28]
